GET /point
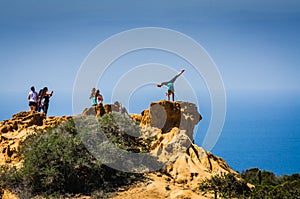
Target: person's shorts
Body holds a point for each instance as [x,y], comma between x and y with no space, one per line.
[32,103]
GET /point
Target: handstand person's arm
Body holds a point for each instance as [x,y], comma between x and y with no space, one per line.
[164,83]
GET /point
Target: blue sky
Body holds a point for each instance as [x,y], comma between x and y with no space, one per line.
[255,44]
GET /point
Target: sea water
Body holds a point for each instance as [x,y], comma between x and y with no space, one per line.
[257,133]
[272,145]
[262,133]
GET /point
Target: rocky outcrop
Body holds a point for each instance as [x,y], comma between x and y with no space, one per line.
[170,126]
[186,164]
[172,123]
[166,115]
[6,194]
[17,129]
[100,110]
[26,123]
[180,179]
[94,111]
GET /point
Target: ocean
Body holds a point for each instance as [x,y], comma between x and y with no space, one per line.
[261,132]
[272,145]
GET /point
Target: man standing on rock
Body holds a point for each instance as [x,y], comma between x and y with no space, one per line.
[170,85]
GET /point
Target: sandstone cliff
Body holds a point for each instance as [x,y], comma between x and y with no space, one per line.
[17,129]
[166,115]
[170,123]
[186,164]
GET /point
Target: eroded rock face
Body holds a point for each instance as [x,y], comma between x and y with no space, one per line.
[94,111]
[18,128]
[196,165]
[166,115]
[185,163]
[21,120]
[101,109]
[171,124]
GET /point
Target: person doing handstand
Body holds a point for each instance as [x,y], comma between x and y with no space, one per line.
[170,85]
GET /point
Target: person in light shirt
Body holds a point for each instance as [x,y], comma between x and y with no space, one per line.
[32,97]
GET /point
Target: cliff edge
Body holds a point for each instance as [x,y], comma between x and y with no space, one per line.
[172,123]
[17,129]
[171,126]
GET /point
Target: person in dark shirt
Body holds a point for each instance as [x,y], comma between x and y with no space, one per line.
[46,99]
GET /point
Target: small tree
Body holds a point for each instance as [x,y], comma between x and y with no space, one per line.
[270,186]
[226,186]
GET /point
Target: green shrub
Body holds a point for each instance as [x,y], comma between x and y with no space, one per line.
[114,140]
[9,177]
[122,131]
[58,162]
[267,185]
[226,186]
[270,186]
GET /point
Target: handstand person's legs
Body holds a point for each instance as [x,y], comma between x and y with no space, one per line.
[176,76]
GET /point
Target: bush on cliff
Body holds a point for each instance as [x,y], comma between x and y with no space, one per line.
[58,161]
[266,185]
[226,186]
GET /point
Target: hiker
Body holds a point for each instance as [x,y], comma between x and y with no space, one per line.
[32,97]
[39,101]
[93,97]
[45,99]
[170,85]
[99,97]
